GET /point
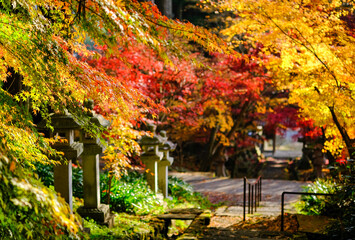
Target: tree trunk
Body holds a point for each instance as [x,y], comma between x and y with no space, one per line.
[274,142]
[179,8]
[215,148]
[207,161]
[180,154]
[166,7]
[348,141]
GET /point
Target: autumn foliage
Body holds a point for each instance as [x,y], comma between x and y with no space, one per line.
[313,47]
[44,45]
[139,66]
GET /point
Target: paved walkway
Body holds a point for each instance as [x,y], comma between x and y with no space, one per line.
[226,219]
[271,188]
[226,222]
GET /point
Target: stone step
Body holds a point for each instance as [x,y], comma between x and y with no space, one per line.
[197,225]
[199,217]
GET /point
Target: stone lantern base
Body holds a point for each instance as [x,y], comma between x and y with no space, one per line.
[101,215]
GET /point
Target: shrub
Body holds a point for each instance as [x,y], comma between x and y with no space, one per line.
[130,193]
[314,205]
[179,189]
[340,206]
[182,192]
[45,174]
[28,209]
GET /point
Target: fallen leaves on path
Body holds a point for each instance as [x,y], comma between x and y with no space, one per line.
[272,224]
[224,221]
[227,199]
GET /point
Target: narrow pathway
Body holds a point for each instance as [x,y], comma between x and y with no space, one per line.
[275,169]
[231,190]
[226,222]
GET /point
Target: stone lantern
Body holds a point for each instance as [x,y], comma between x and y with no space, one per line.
[67,129]
[166,161]
[151,156]
[91,175]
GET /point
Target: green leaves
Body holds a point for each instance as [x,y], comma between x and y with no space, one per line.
[27,208]
[314,205]
[130,194]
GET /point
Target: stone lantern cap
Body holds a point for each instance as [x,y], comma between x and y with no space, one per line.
[86,138]
[165,145]
[60,121]
[150,141]
[65,126]
[162,138]
[99,120]
[96,119]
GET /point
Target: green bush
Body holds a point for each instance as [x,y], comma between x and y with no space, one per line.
[314,205]
[178,188]
[45,174]
[130,193]
[28,209]
[340,206]
[182,192]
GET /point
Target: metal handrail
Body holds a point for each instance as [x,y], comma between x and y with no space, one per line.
[296,193]
[254,198]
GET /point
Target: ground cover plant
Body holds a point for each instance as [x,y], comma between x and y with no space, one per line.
[128,226]
[183,194]
[314,205]
[136,205]
[130,193]
[340,206]
[133,203]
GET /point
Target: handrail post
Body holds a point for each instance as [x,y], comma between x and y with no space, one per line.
[255,198]
[252,198]
[260,188]
[259,193]
[248,198]
[282,210]
[244,197]
[254,195]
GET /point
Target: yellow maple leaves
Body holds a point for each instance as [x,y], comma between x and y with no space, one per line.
[314,52]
